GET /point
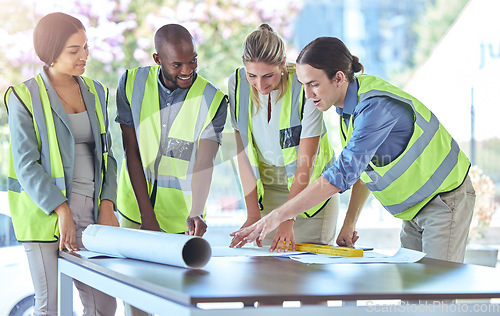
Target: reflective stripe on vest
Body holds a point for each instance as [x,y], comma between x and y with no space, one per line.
[432,164]
[290,129]
[29,221]
[172,169]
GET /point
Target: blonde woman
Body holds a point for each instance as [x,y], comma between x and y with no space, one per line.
[281,141]
[394,148]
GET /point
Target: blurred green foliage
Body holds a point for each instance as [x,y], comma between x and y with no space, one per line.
[121,35]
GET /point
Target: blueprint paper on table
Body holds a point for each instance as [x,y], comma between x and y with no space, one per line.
[172,249]
[94,255]
[403,255]
[250,251]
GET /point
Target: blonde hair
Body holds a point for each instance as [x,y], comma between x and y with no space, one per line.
[265,45]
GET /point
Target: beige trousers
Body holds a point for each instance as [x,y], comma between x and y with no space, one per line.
[441,228]
[42,260]
[319,229]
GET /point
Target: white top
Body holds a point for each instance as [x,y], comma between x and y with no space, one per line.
[266,134]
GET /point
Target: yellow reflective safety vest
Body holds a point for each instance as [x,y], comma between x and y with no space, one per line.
[292,110]
[30,222]
[431,164]
[172,168]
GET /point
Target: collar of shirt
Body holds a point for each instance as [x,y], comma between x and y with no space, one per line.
[351,100]
[161,85]
[169,97]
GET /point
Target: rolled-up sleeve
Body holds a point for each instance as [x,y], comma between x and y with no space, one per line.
[214,130]
[26,159]
[123,111]
[312,123]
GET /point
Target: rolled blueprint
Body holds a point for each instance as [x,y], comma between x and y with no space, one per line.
[172,249]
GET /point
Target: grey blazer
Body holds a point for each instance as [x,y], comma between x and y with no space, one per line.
[26,156]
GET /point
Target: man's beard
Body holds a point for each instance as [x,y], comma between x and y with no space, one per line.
[173,79]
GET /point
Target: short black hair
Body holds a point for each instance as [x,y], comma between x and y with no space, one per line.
[172,34]
[51,33]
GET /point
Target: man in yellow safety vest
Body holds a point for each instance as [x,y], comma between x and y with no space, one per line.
[171,120]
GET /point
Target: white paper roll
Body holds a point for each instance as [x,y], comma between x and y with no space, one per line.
[173,249]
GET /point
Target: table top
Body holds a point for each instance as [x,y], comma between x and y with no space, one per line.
[275,279]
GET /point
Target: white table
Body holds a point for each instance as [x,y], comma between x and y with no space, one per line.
[169,290]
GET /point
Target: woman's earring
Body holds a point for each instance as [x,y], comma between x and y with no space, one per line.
[52,64]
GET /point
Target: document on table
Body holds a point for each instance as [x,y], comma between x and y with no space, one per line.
[93,255]
[250,251]
[403,255]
